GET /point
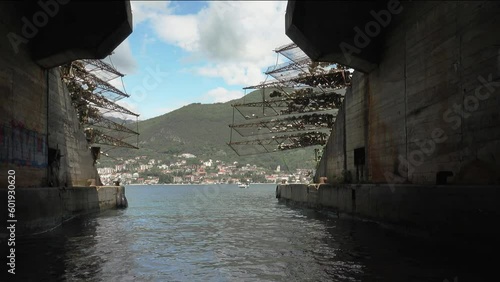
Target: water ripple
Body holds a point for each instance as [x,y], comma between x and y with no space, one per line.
[220,233]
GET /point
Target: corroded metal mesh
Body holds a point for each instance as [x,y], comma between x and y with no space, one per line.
[300,110]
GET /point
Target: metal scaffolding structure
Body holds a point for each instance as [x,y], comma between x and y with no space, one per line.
[100,121]
[331,79]
[291,51]
[308,122]
[77,72]
[95,100]
[101,69]
[105,104]
[279,143]
[95,136]
[306,103]
[305,99]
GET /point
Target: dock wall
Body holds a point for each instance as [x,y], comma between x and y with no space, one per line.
[39,210]
[449,213]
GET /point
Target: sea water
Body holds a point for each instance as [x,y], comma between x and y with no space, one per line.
[225,233]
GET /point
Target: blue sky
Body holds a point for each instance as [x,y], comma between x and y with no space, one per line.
[183,52]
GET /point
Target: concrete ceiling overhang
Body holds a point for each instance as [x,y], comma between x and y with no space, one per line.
[76,29]
[328,31]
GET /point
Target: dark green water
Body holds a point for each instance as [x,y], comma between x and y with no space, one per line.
[223,233]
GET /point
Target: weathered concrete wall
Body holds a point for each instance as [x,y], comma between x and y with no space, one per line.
[432,104]
[36,117]
[76,165]
[41,209]
[356,124]
[439,212]
[332,161]
[37,120]
[23,109]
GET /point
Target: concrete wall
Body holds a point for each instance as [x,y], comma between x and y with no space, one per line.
[36,114]
[36,119]
[23,109]
[333,162]
[41,209]
[432,104]
[356,124]
[76,164]
[438,212]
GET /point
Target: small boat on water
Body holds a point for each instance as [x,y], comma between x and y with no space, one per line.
[243,185]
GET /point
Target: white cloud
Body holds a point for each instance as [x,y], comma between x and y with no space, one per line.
[122,58]
[235,37]
[172,29]
[146,10]
[233,73]
[242,31]
[147,39]
[221,95]
[178,30]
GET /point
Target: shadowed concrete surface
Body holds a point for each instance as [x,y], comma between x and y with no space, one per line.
[428,113]
[41,209]
[449,214]
[60,31]
[320,27]
[416,144]
[41,141]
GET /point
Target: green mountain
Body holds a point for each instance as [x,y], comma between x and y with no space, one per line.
[203,130]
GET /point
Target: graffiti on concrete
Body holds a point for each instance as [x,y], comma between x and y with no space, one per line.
[22,146]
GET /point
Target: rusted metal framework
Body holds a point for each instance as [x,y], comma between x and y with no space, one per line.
[95,136]
[291,51]
[100,121]
[95,99]
[287,69]
[101,69]
[308,122]
[76,72]
[330,79]
[305,100]
[306,103]
[106,105]
[279,143]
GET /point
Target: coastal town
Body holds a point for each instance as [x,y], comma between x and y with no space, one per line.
[188,169]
